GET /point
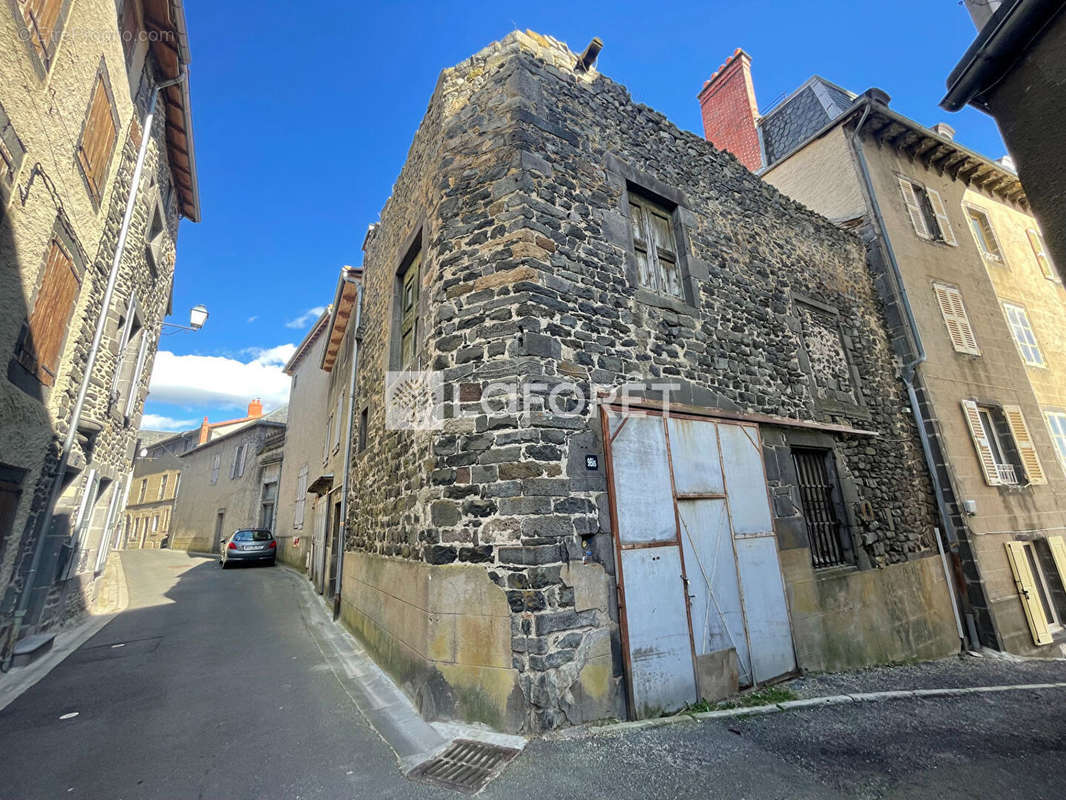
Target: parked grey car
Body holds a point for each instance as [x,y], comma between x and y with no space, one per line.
[248,545]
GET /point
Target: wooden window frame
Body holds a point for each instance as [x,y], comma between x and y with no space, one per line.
[94,165]
[1025,324]
[26,359]
[956,320]
[643,211]
[12,154]
[42,48]
[406,303]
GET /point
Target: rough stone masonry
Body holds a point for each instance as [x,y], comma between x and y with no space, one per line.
[514,195]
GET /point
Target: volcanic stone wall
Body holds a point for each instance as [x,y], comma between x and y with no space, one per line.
[515,190]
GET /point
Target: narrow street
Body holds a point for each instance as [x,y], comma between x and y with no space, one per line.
[219,690]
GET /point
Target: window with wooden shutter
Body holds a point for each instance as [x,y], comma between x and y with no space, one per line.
[1056,423]
[98,137]
[11,155]
[46,330]
[655,246]
[1025,582]
[1036,241]
[409,284]
[339,416]
[981,443]
[947,235]
[42,21]
[1023,441]
[949,298]
[914,208]
[983,234]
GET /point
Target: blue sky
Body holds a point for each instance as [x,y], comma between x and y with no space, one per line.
[303,113]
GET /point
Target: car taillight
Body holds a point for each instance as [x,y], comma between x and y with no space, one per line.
[232,546]
[273,544]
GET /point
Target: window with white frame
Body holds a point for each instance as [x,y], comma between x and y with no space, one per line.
[927,212]
[1024,337]
[949,298]
[1005,448]
[655,246]
[984,234]
[1056,423]
[1043,260]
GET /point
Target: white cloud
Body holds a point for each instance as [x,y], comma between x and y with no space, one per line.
[220,381]
[306,318]
[253,318]
[157,422]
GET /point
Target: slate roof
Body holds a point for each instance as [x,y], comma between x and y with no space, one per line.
[800,115]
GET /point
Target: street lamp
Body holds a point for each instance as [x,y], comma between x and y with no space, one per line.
[197,318]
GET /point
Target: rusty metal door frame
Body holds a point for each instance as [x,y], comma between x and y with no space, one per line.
[655,410]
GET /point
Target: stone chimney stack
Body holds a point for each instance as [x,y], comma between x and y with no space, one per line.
[981,11]
[945,130]
[255,409]
[730,112]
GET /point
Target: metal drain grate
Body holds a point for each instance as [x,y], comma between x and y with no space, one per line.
[466,766]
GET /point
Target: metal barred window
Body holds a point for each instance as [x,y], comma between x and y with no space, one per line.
[829,546]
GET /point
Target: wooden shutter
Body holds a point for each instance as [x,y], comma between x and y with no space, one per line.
[1057,545]
[914,208]
[980,443]
[1040,253]
[942,221]
[1027,591]
[1024,442]
[97,139]
[43,344]
[41,17]
[135,380]
[955,318]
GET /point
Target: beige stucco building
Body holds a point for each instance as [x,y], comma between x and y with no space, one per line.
[977,313]
[80,314]
[148,509]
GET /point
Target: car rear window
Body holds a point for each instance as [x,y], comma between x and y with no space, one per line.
[252,536]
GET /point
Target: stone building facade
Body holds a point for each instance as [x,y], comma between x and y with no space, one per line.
[953,245]
[71,112]
[150,505]
[228,483]
[548,238]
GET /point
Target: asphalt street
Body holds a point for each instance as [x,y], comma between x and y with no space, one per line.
[212,685]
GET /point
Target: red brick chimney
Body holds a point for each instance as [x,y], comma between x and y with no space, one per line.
[730,111]
[205,431]
[255,409]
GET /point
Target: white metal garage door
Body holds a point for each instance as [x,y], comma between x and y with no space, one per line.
[697,555]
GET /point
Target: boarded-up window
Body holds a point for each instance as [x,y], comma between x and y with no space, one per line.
[1040,254]
[98,137]
[960,331]
[1023,441]
[1026,582]
[655,246]
[41,18]
[43,338]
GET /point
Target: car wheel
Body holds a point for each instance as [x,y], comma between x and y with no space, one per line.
[223,564]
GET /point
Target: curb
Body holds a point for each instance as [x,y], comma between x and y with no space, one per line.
[813,702]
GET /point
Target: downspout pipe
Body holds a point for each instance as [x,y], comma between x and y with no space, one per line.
[346,481]
[29,584]
[910,367]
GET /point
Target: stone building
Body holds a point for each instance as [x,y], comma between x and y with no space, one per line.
[1015,70]
[150,504]
[73,109]
[976,313]
[229,482]
[535,560]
